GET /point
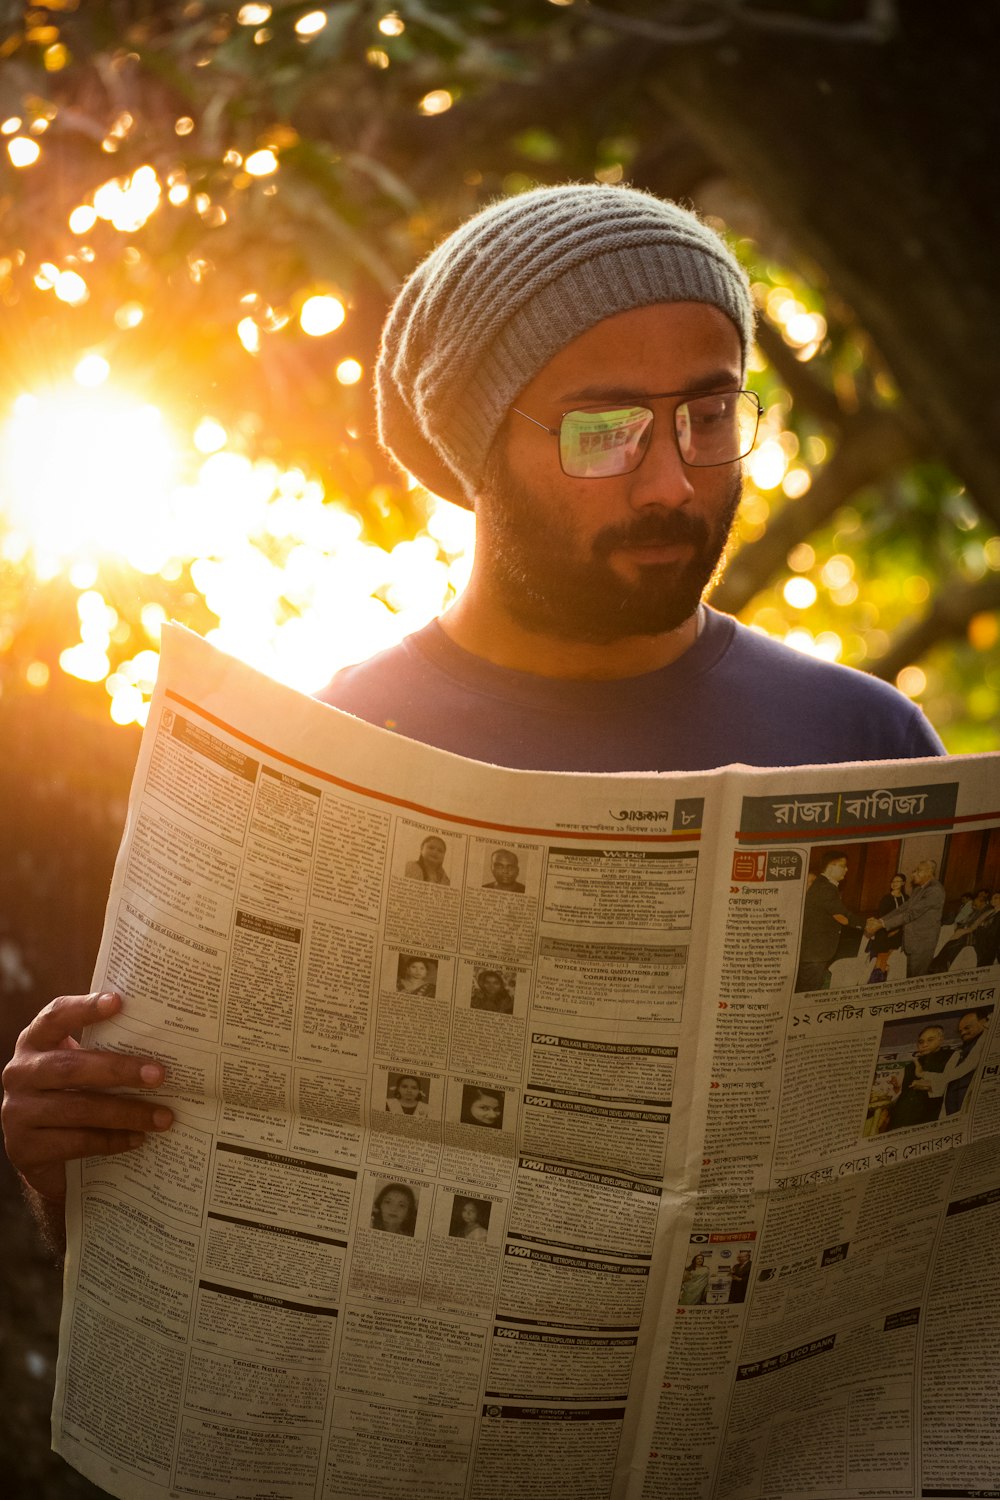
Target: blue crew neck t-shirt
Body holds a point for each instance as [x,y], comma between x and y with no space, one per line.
[734,696]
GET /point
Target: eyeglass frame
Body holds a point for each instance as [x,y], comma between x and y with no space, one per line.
[640,402]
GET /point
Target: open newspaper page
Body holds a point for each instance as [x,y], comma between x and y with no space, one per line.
[836,1327]
[428,1028]
[529,1141]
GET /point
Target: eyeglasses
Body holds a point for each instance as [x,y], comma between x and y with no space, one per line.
[601,442]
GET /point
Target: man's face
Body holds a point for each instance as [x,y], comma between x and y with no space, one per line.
[970,1026]
[928,1041]
[922,874]
[600,560]
[505,868]
[836,871]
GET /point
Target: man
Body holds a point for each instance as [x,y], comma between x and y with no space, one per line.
[505,869]
[986,939]
[570,363]
[967,905]
[968,922]
[917,1105]
[824,919]
[952,1083]
[919,916]
[740,1277]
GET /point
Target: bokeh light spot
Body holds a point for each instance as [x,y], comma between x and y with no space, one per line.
[796,482]
[55,57]
[261,163]
[210,435]
[800,593]
[801,558]
[23,151]
[984,631]
[767,464]
[249,335]
[916,589]
[129,315]
[71,288]
[838,571]
[321,315]
[311,23]
[436,102]
[912,681]
[83,219]
[91,371]
[153,617]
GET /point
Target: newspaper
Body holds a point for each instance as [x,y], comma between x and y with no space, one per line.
[521,1148]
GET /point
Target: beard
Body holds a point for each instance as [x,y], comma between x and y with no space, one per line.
[524,559]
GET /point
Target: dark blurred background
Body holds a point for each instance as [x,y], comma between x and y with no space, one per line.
[64,783]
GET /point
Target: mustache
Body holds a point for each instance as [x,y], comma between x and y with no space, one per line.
[663,528]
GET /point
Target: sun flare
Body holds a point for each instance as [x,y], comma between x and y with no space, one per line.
[82,472]
[106,492]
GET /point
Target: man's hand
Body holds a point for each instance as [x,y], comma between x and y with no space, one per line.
[56,1102]
[872,926]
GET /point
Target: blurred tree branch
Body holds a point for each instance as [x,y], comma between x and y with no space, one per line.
[954,607]
[872,445]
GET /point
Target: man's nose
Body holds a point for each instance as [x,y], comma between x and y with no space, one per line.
[662,478]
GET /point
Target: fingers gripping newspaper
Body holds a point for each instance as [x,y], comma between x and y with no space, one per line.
[549,1136]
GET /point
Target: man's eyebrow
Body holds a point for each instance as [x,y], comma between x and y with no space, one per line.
[712,381]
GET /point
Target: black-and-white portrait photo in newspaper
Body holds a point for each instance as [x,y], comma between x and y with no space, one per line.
[482,1106]
[427,861]
[470,1219]
[407,1094]
[503,871]
[416,975]
[394,1208]
[493,990]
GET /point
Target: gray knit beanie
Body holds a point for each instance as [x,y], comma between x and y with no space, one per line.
[496,300]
